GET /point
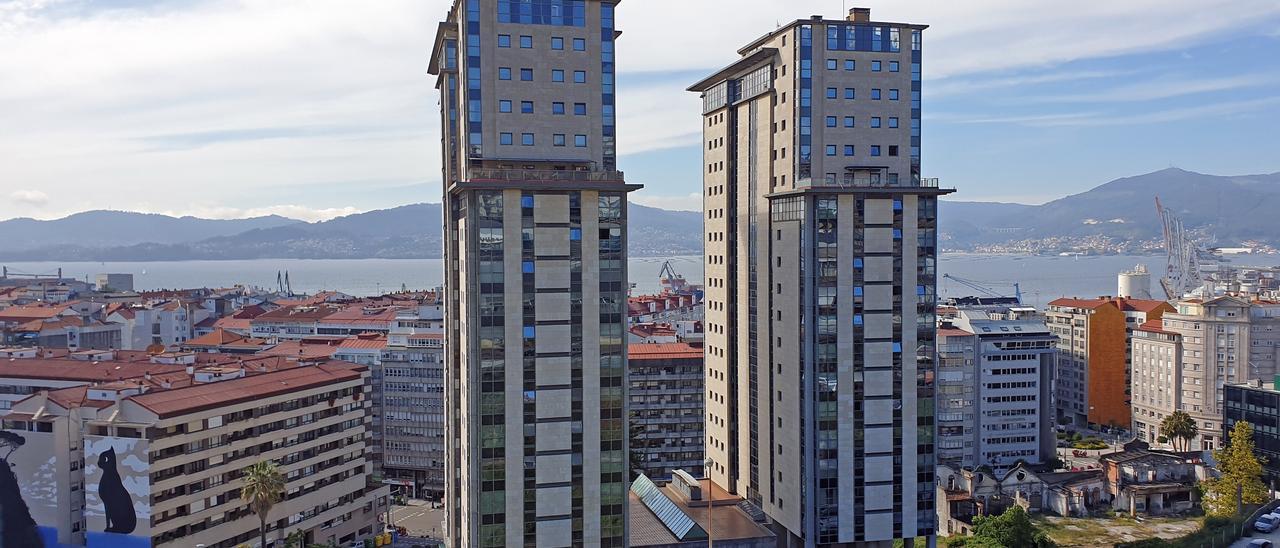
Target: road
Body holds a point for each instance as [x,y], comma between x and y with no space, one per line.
[422,521]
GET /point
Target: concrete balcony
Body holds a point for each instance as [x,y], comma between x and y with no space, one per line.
[539,175]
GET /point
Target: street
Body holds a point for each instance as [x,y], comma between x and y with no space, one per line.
[423,523]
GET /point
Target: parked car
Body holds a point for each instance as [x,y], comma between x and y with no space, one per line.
[1260,543]
[1266,524]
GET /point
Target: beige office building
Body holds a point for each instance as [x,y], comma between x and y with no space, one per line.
[535,247]
[1181,362]
[820,276]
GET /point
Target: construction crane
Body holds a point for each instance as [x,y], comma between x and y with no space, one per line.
[979,286]
[670,280]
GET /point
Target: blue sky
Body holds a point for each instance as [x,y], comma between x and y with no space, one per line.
[231,108]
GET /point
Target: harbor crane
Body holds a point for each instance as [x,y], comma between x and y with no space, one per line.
[980,286]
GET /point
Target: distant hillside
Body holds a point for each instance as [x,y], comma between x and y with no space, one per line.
[1223,209]
[406,232]
[114,228]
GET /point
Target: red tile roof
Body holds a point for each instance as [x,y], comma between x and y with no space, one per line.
[663,351]
[1155,326]
[365,342]
[1125,304]
[300,313]
[222,338]
[199,397]
[953,332]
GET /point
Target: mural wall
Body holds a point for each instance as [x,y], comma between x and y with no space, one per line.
[117,492]
[28,490]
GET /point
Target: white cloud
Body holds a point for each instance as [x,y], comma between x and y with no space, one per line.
[217,102]
[1164,88]
[690,202]
[292,211]
[29,198]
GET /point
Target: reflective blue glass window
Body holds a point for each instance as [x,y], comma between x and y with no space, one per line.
[504,40]
[580,76]
[526,42]
[557,42]
[919,290]
[857,291]
[831,64]
[557,108]
[857,263]
[557,140]
[831,150]
[897,233]
[529,332]
[875,150]
[875,121]
[504,106]
[849,64]
[575,234]
[579,109]
[849,93]
[893,95]
[893,66]
[505,138]
[831,121]
[579,44]
[526,139]
[848,150]
[897,204]
[831,93]
[580,141]
[526,202]
[526,74]
[848,121]
[857,319]
[893,121]
[875,66]
[526,107]
[504,73]
[527,267]
[875,94]
[557,75]
[897,346]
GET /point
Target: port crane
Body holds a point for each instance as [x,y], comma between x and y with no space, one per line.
[983,287]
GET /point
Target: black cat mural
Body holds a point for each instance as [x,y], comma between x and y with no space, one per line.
[118,503]
[17,528]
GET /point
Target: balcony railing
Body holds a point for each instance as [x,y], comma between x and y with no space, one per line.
[493,174]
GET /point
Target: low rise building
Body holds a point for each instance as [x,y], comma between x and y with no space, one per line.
[688,512]
[994,383]
[1093,362]
[1140,480]
[1182,362]
[152,454]
[966,493]
[666,391]
[1258,403]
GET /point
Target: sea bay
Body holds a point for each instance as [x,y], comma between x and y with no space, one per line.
[1041,278]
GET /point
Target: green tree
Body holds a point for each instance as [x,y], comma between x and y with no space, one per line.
[1012,529]
[1240,479]
[1179,427]
[263,487]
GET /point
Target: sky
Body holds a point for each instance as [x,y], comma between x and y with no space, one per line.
[319,108]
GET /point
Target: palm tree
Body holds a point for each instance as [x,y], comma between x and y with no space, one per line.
[1179,426]
[263,487]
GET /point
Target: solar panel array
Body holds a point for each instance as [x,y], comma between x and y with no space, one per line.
[676,521]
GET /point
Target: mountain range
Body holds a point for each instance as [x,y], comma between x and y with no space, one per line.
[1216,210]
[406,232]
[1119,216]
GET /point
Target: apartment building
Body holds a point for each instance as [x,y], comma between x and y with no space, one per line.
[667,432]
[1258,403]
[1182,361]
[995,404]
[409,402]
[535,216]
[1092,380]
[820,256]
[152,454]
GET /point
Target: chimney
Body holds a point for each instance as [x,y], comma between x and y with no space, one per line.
[859,15]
